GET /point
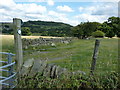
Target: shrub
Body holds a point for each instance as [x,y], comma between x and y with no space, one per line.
[26,31]
[98,34]
[118,34]
[110,34]
[108,81]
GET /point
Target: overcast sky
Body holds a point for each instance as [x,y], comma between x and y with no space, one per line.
[67,11]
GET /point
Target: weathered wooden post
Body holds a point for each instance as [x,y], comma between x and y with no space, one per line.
[95,54]
[18,43]
[119,45]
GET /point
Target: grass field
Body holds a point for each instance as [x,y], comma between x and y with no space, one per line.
[74,56]
[8,41]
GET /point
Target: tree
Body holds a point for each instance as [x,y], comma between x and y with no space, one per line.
[118,35]
[110,34]
[26,31]
[114,23]
[104,27]
[77,32]
[110,27]
[107,30]
[85,30]
[98,34]
[49,28]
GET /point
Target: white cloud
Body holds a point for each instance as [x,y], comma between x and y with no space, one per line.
[61,17]
[101,9]
[32,11]
[65,8]
[50,2]
[81,9]
[91,18]
[105,0]
[53,13]
[7,3]
[98,12]
[106,9]
[32,8]
[68,0]
[10,10]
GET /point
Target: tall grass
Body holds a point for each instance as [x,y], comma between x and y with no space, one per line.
[74,56]
[7,43]
[81,56]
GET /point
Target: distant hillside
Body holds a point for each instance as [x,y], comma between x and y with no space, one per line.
[46,28]
[6,27]
[43,28]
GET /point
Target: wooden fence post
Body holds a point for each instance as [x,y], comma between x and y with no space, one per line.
[95,54]
[18,43]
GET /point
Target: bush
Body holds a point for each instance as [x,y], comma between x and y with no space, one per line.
[110,34]
[109,81]
[26,31]
[98,34]
[118,34]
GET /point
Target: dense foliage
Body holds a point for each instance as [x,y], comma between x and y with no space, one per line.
[83,30]
[6,29]
[74,82]
[110,28]
[98,34]
[45,28]
[26,31]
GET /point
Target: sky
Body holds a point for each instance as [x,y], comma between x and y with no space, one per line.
[72,12]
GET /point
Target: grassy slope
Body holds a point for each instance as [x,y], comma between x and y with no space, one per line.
[82,56]
[76,56]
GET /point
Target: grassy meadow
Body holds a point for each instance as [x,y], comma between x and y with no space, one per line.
[74,56]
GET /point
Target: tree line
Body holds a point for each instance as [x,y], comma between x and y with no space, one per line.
[109,28]
[45,28]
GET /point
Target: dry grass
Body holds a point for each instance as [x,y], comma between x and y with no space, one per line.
[4,37]
[33,37]
[7,41]
[112,37]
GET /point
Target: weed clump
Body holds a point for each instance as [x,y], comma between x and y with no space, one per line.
[76,81]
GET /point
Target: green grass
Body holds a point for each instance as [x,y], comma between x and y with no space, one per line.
[78,55]
[7,44]
[74,56]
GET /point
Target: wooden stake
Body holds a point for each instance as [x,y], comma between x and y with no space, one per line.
[95,54]
[18,42]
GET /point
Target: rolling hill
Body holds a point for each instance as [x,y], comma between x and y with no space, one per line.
[44,28]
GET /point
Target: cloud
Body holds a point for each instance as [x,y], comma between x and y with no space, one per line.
[81,9]
[65,8]
[61,17]
[32,11]
[7,4]
[101,9]
[33,8]
[104,0]
[98,12]
[53,13]
[10,10]
[68,0]
[91,18]
[105,9]
[50,2]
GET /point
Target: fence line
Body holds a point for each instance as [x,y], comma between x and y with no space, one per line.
[9,80]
